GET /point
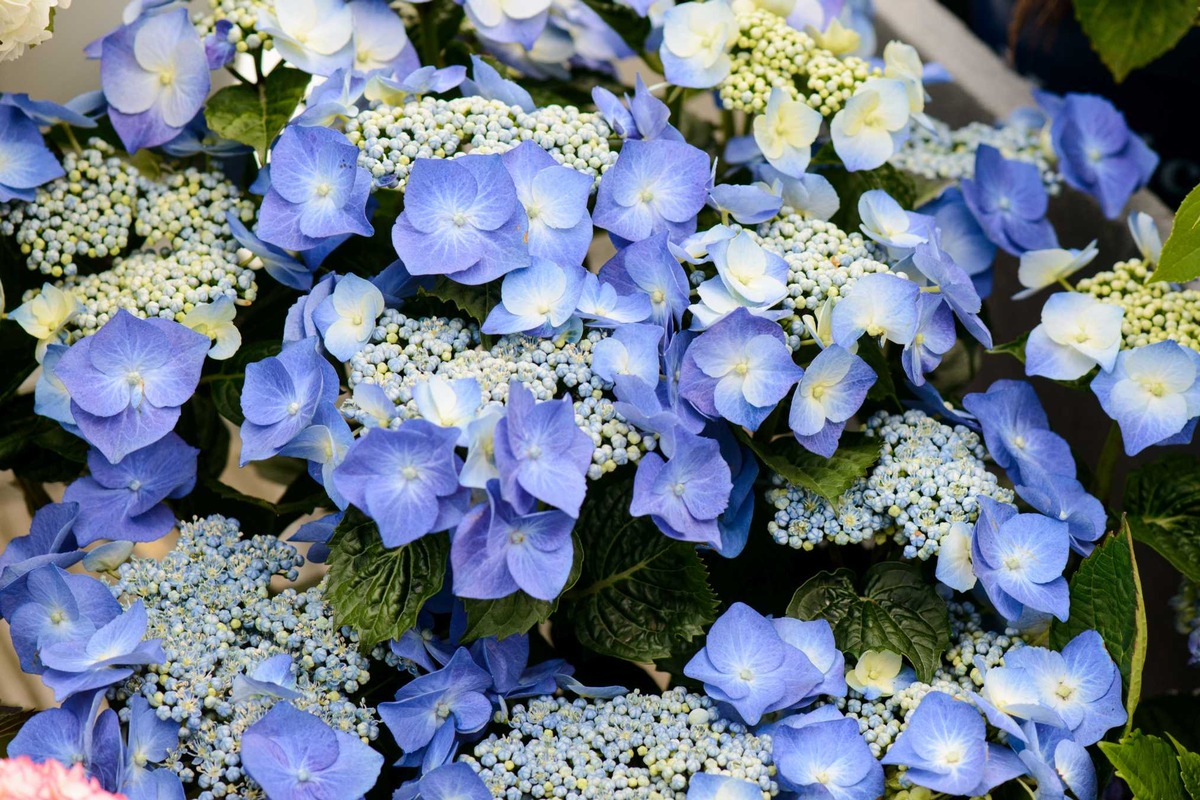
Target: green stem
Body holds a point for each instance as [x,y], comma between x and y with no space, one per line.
[71,138]
[431,51]
[1107,465]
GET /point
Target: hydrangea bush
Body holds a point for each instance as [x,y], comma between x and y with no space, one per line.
[616,363]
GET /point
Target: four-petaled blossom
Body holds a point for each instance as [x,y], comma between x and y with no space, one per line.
[1009,201]
[872,125]
[654,186]
[879,673]
[822,756]
[317,192]
[49,541]
[785,132]
[954,286]
[831,390]
[946,750]
[1057,762]
[346,318]
[885,221]
[101,658]
[603,307]
[450,404]
[462,218]
[745,663]
[282,395]
[128,381]
[696,41]
[215,320]
[1017,432]
[685,494]
[496,551]
[294,754]
[648,268]
[555,199]
[44,315]
[124,501]
[1020,558]
[881,305]
[738,369]
[1078,331]
[1041,268]
[154,73]
[25,161]
[536,299]
[1153,392]
[1063,498]
[630,350]
[313,35]
[749,271]
[150,741]
[406,480]
[541,453]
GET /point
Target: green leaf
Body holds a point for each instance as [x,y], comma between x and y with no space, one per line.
[474,301]
[827,477]
[1180,259]
[518,612]
[254,114]
[227,382]
[11,720]
[1162,501]
[1015,348]
[1148,764]
[1106,596]
[378,591]
[895,610]
[1189,768]
[640,593]
[1128,34]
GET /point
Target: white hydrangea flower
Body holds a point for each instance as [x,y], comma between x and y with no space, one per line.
[24,24]
[45,315]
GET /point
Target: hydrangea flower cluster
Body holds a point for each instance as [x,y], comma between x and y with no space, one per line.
[943,153]
[930,476]
[208,601]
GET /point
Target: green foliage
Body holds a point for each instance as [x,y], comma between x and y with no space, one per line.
[1148,764]
[518,612]
[896,609]
[640,593]
[852,185]
[1189,769]
[474,301]
[1015,348]
[1106,596]
[1162,501]
[827,477]
[1128,34]
[378,591]
[1180,260]
[254,114]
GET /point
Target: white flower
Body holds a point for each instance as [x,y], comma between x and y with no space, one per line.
[25,23]
[449,404]
[875,674]
[872,125]
[1042,268]
[836,38]
[44,316]
[697,38]
[1078,331]
[215,320]
[314,35]
[1146,236]
[901,62]
[954,566]
[785,133]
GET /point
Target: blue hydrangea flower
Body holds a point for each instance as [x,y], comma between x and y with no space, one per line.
[643,116]
[745,663]
[1097,153]
[785,132]
[406,480]
[49,541]
[1153,392]
[430,712]
[734,522]
[748,271]
[1081,684]
[815,639]
[822,756]
[541,453]
[685,494]
[555,199]
[456,781]
[1016,431]
[406,83]
[299,323]
[155,76]
[336,98]
[830,392]
[648,268]
[954,286]
[324,445]
[318,191]
[934,337]
[75,734]
[124,501]
[711,786]
[346,318]
[462,218]
[960,235]
[1062,498]
[1057,762]
[1009,201]
[881,305]
[945,749]
[450,404]
[25,161]
[653,187]
[273,677]
[487,83]
[738,369]
[49,605]
[508,21]
[295,754]
[631,350]
[101,658]
[281,397]
[496,550]
[279,263]
[1020,558]
[1077,332]
[380,38]
[150,741]
[536,299]
[602,307]
[749,204]
[128,381]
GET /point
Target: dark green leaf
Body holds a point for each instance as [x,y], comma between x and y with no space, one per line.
[1015,348]
[640,592]
[1162,501]
[895,610]
[1128,34]
[254,115]
[1148,764]
[518,612]
[17,355]
[827,477]
[1180,260]
[1189,769]
[474,301]
[377,591]
[1106,596]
